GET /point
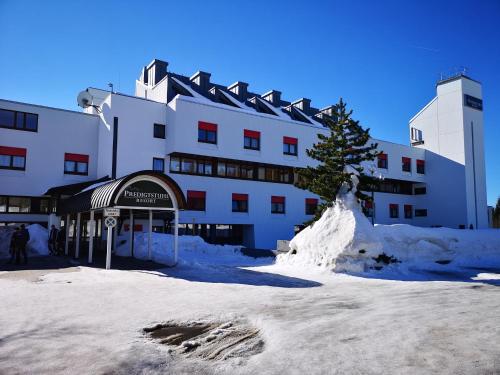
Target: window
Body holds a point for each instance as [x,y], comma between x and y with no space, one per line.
[394,211]
[290,146]
[229,168]
[18,120]
[406,164]
[421,166]
[159,131]
[19,204]
[420,190]
[12,158]
[382,161]
[240,202]
[311,206]
[368,208]
[196,200]
[416,136]
[420,212]
[207,132]
[159,165]
[251,139]
[277,205]
[3,204]
[408,211]
[76,164]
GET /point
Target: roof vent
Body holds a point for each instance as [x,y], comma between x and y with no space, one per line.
[154,72]
[201,79]
[240,89]
[273,97]
[303,104]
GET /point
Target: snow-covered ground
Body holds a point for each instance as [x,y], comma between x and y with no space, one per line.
[90,321]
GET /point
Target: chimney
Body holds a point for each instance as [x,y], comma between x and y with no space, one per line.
[328,110]
[240,89]
[303,104]
[273,97]
[154,72]
[201,79]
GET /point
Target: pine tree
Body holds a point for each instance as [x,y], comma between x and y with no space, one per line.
[345,146]
[496,215]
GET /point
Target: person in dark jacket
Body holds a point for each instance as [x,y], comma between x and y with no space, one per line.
[13,246]
[22,239]
[53,240]
[61,240]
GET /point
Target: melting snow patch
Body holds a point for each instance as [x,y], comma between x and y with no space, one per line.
[208,340]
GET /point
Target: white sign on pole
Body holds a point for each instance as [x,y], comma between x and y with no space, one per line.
[114,212]
[110,222]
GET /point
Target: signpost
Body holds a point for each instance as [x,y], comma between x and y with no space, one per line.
[113,212]
[110,223]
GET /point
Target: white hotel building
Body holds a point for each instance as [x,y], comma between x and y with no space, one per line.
[229,155]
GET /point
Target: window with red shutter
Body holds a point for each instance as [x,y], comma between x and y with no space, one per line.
[311,206]
[408,211]
[76,164]
[196,200]
[421,166]
[382,161]
[12,158]
[251,139]
[394,211]
[277,204]
[406,164]
[290,146]
[240,202]
[207,132]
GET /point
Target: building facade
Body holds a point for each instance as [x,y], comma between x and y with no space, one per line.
[233,154]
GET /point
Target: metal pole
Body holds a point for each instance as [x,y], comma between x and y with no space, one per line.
[131,234]
[373,208]
[108,248]
[91,236]
[66,229]
[176,236]
[78,225]
[149,234]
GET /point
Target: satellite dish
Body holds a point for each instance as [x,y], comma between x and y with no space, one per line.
[84,99]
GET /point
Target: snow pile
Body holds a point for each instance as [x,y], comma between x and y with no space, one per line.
[192,250]
[342,239]
[432,247]
[37,245]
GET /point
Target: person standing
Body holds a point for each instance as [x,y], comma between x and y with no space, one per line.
[22,240]
[60,242]
[13,246]
[53,240]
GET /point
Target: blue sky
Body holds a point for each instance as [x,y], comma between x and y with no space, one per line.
[382,57]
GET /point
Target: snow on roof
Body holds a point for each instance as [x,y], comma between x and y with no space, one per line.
[191,91]
[313,121]
[278,111]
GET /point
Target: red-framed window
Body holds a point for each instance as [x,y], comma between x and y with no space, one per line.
[240,202]
[408,208]
[368,208]
[290,146]
[421,166]
[251,139]
[277,204]
[207,132]
[12,158]
[405,164]
[382,161]
[394,211]
[76,164]
[196,200]
[311,206]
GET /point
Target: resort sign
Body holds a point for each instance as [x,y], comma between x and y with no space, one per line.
[144,193]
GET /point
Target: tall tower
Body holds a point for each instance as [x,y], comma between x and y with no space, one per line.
[451,125]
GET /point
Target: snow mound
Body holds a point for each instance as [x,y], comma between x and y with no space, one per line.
[37,245]
[428,247]
[342,240]
[193,250]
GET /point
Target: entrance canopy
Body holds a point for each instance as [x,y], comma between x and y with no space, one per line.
[143,190]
